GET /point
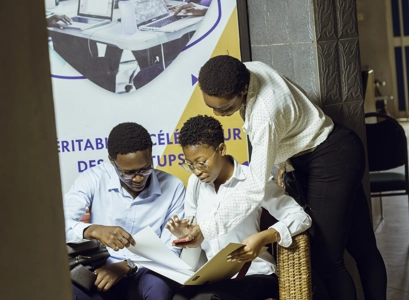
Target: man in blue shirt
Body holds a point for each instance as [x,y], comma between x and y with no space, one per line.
[124,196]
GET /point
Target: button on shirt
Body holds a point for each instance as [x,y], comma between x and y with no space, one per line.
[111,205]
[281,122]
[203,202]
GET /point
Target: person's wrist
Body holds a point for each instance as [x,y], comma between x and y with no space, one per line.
[90,232]
[272,236]
[132,267]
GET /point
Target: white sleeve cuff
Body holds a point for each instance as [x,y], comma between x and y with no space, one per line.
[79,230]
[285,235]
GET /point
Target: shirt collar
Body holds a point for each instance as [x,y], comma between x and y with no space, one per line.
[151,189]
[114,182]
[238,172]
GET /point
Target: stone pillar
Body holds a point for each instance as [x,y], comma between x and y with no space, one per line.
[34,263]
[315,44]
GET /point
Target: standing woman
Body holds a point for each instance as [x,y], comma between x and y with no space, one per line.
[286,129]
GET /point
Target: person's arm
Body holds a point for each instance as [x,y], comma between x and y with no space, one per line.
[292,219]
[76,200]
[175,209]
[249,195]
[178,226]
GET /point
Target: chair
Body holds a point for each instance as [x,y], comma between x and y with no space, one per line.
[293,264]
[387,155]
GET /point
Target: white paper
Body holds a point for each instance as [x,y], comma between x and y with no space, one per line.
[150,246]
[180,276]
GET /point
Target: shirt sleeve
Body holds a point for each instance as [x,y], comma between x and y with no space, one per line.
[75,202]
[190,199]
[175,209]
[249,195]
[292,219]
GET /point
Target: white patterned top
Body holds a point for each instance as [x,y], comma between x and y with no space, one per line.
[281,122]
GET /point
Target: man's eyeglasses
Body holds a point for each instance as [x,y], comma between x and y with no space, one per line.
[131,175]
[200,166]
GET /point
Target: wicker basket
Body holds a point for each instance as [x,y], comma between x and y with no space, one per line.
[294,269]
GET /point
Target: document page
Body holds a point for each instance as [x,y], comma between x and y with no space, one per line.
[163,261]
[150,246]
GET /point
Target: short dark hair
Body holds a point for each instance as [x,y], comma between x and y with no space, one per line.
[223,76]
[201,130]
[128,138]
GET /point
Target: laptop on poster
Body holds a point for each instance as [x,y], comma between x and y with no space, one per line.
[92,13]
[154,15]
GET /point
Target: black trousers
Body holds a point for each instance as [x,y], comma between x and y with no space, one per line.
[252,287]
[340,214]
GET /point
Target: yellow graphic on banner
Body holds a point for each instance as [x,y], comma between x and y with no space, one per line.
[235,138]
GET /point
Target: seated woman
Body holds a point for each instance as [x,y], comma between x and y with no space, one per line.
[215,176]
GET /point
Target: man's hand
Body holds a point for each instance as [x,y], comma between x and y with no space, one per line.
[110,274]
[52,21]
[189,9]
[179,228]
[114,237]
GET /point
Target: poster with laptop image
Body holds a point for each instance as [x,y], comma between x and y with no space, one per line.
[91,14]
[123,45]
[155,15]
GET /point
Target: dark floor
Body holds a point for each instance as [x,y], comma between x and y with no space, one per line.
[392,236]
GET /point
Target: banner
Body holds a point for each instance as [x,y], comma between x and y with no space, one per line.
[111,74]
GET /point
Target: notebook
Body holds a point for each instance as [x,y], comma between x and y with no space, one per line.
[154,15]
[92,13]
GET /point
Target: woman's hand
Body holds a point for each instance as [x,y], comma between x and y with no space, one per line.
[194,238]
[179,228]
[253,245]
[280,173]
[182,229]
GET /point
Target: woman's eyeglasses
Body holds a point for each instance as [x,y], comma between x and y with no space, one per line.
[200,166]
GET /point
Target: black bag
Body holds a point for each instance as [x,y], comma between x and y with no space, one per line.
[83,258]
[296,187]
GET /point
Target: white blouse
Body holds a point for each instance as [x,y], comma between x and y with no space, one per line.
[281,122]
[202,201]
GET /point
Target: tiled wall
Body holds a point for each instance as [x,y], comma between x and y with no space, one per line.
[315,44]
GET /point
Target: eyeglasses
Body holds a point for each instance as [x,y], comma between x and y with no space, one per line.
[131,175]
[200,166]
